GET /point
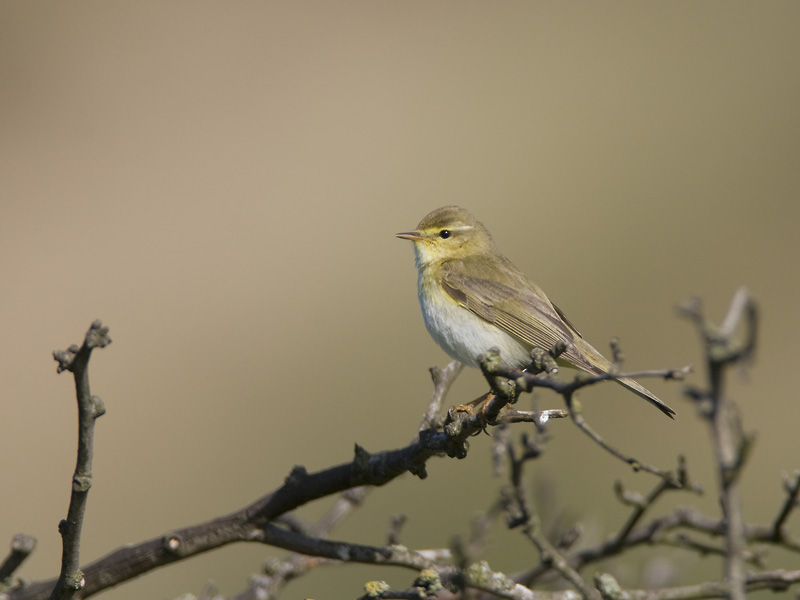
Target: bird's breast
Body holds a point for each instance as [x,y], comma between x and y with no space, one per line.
[460,332]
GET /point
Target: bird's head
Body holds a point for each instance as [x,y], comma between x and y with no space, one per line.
[448,233]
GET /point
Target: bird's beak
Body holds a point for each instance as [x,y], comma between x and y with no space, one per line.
[413,236]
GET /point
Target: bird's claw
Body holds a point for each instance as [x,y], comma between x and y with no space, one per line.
[478,408]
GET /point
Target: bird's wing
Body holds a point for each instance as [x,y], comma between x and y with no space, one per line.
[525,313]
[533,319]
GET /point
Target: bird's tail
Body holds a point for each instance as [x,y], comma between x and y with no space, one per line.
[589,359]
[643,392]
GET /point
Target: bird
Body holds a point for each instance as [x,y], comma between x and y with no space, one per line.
[473,299]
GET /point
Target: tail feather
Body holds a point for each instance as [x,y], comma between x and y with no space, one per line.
[643,392]
[589,359]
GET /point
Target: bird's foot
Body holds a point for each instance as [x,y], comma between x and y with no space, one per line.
[478,407]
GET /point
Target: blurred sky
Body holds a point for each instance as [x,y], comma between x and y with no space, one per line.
[220,184]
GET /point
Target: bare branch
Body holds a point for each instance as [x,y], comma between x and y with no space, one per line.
[425,587]
[641,504]
[522,513]
[576,413]
[792,486]
[21,547]
[731,444]
[76,360]
[685,541]
[270,521]
[395,527]
[495,371]
[246,524]
[530,416]
[478,575]
[779,580]
[279,572]
[443,380]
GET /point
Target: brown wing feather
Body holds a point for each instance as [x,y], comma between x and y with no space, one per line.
[524,311]
[532,319]
[566,320]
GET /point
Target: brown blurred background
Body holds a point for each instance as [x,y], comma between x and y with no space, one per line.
[220,184]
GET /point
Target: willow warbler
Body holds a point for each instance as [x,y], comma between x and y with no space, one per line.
[473,298]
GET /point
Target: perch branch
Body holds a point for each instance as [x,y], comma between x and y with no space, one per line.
[279,572]
[493,368]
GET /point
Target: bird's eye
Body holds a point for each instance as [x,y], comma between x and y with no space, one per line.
[445,233]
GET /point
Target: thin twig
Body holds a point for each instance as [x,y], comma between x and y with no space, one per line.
[779,580]
[683,540]
[22,545]
[538,417]
[443,380]
[790,503]
[576,413]
[641,505]
[493,369]
[522,513]
[76,360]
[656,532]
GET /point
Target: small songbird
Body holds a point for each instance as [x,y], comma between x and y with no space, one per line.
[473,298]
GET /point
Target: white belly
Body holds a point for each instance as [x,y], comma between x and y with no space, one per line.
[464,335]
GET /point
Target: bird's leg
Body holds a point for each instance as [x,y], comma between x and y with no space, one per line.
[485,408]
[477,406]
